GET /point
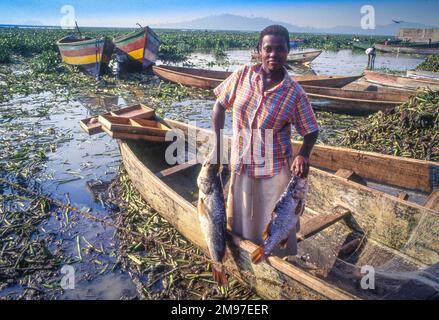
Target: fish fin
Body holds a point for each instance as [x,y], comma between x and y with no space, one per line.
[283,244]
[266,232]
[201,207]
[258,255]
[219,275]
[299,208]
[226,255]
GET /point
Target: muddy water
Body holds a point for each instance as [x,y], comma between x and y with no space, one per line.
[77,161]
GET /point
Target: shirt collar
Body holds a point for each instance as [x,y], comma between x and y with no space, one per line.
[285,83]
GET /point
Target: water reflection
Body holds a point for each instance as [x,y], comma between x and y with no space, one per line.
[341,62]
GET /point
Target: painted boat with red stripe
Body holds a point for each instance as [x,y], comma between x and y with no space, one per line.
[137,50]
[91,55]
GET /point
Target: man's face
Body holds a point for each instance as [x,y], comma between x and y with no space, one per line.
[274,52]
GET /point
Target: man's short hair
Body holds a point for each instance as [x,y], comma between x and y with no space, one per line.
[274,30]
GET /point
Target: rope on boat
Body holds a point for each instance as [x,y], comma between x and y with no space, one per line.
[87,215]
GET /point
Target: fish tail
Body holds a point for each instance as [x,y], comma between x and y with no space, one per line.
[219,275]
[258,255]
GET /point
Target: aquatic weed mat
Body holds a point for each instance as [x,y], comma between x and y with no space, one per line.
[167,266]
[410,130]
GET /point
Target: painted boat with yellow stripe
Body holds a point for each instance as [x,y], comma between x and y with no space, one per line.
[137,50]
[90,55]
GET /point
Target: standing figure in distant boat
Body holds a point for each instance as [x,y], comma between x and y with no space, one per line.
[371,55]
[266,102]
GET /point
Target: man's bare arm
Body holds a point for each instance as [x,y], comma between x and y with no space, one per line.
[301,162]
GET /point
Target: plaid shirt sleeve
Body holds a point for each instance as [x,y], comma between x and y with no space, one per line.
[303,116]
[226,92]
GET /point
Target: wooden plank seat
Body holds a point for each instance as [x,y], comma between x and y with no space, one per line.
[321,222]
[176,169]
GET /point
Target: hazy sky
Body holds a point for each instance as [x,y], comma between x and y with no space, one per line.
[319,14]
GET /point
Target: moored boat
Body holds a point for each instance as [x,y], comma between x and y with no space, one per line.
[355,102]
[400,81]
[90,55]
[393,236]
[406,50]
[209,79]
[428,75]
[138,49]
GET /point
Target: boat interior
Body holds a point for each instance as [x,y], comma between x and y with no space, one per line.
[335,245]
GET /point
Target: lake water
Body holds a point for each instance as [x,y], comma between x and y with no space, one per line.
[343,62]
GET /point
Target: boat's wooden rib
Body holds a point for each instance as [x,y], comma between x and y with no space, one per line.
[399,81]
[132,136]
[351,176]
[317,224]
[432,201]
[176,169]
[209,79]
[395,231]
[405,196]
[396,171]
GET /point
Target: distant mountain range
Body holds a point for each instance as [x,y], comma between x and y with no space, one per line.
[241,23]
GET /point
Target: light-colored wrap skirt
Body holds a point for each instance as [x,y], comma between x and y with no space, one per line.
[250,204]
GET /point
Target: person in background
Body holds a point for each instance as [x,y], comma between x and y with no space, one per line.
[371,55]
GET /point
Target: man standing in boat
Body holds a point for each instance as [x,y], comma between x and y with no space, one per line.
[265,102]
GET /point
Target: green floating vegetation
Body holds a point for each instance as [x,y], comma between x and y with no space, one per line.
[410,130]
[163,264]
[431,63]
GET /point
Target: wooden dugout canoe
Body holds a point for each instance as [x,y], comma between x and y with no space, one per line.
[406,50]
[418,74]
[138,50]
[394,234]
[400,82]
[209,79]
[355,102]
[295,58]
[90,55]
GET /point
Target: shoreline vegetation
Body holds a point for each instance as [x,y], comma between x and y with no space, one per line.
[30,257]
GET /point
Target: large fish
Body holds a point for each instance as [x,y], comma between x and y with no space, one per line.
[283,218]
[212,217]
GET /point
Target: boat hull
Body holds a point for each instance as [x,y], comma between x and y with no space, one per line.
[210,79]
[92,55]
[397,231]
[138,50]
[400,82]
[406,50]
[354,102]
